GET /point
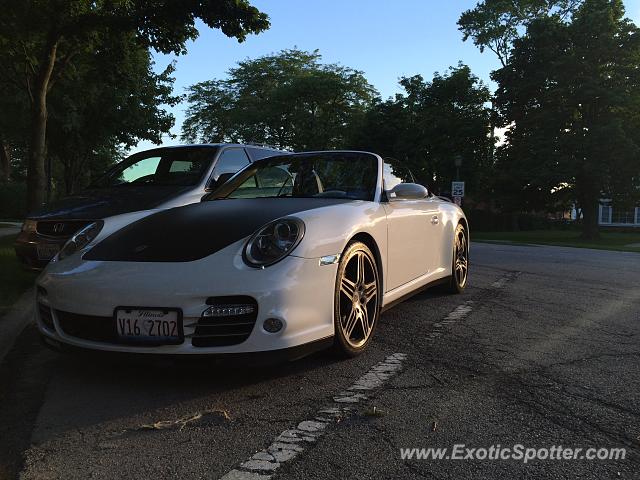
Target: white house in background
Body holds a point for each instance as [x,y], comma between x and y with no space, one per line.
[618,217]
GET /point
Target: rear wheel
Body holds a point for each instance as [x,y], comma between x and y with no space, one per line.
[460,263]
[357,300]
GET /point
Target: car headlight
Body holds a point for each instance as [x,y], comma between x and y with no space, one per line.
[272,242]
[29,226]
[81,239]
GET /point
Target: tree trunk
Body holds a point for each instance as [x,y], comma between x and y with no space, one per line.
[36,181]
[5,161]
[590,220]
[36,178]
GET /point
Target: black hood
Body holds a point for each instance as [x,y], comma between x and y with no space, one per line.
[195,231]
[105,202]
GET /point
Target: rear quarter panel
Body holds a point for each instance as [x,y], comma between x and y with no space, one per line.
[451,215]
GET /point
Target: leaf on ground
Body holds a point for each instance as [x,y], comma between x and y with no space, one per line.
[180,423]
[373,412]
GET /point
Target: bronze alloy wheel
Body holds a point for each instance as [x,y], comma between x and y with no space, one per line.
[461,257]
[357,299]
[460,265]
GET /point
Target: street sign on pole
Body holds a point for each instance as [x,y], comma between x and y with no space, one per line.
[457,189]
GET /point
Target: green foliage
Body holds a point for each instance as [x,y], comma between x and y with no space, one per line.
[431,124]
[158,24]
[496,24]
[109,101]
[570,95]
[288,99]
[13,198]
[42,41]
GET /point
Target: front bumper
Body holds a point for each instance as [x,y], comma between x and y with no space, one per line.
[26,248]
[298,291]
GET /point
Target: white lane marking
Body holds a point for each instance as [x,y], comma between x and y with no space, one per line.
[290,443]
[502,282]
[462,311]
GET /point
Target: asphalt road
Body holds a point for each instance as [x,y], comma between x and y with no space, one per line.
[543,349]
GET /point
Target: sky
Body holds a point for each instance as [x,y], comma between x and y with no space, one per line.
[386,39]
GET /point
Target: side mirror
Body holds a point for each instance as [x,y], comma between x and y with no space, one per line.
[407,191]
[222,179]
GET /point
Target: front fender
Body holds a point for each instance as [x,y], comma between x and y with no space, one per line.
[328,230]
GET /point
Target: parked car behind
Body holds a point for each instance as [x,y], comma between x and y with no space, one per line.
[155,179]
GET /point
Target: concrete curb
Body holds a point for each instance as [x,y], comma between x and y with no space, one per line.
[15,320]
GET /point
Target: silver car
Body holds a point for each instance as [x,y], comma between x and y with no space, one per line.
[160,178]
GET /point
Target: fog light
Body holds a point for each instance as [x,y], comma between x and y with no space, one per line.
[272,325]
[228,310]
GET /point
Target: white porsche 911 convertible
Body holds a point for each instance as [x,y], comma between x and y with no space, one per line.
[295,253]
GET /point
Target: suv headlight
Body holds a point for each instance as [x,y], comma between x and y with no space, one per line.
[29,226]
[81,239]
[272,242]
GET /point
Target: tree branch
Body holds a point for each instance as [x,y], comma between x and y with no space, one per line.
[46,69]
[64,64]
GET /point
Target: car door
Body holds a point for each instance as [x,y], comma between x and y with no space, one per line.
[412,232]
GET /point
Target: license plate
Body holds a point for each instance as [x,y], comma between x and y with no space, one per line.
[149,325]
[47,251]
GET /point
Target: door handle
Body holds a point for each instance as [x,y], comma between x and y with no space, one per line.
[435,220]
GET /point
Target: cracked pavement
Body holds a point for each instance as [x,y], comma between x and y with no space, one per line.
[542,349]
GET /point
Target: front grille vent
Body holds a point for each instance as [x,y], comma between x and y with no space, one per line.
[60,228]
[226,330]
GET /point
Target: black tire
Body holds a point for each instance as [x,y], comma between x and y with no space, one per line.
[460,262]
[357,300]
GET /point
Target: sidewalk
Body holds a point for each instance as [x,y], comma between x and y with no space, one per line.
[9,228]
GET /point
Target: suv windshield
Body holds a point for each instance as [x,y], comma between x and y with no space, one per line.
[169,166]
[325,175]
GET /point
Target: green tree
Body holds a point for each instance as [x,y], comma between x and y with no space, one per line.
[496,24]
[12,127]
[41,39]
[570,97]
[432,123]
[288,99]
[109,101]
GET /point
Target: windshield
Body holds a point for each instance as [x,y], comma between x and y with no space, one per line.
[324,175]
[169,166]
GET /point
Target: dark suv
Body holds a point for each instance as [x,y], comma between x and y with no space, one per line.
[154,179]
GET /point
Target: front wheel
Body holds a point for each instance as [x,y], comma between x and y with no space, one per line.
[357,300]
[460,264]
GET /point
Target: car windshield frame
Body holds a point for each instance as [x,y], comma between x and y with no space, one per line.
[108,179]
[370,192]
